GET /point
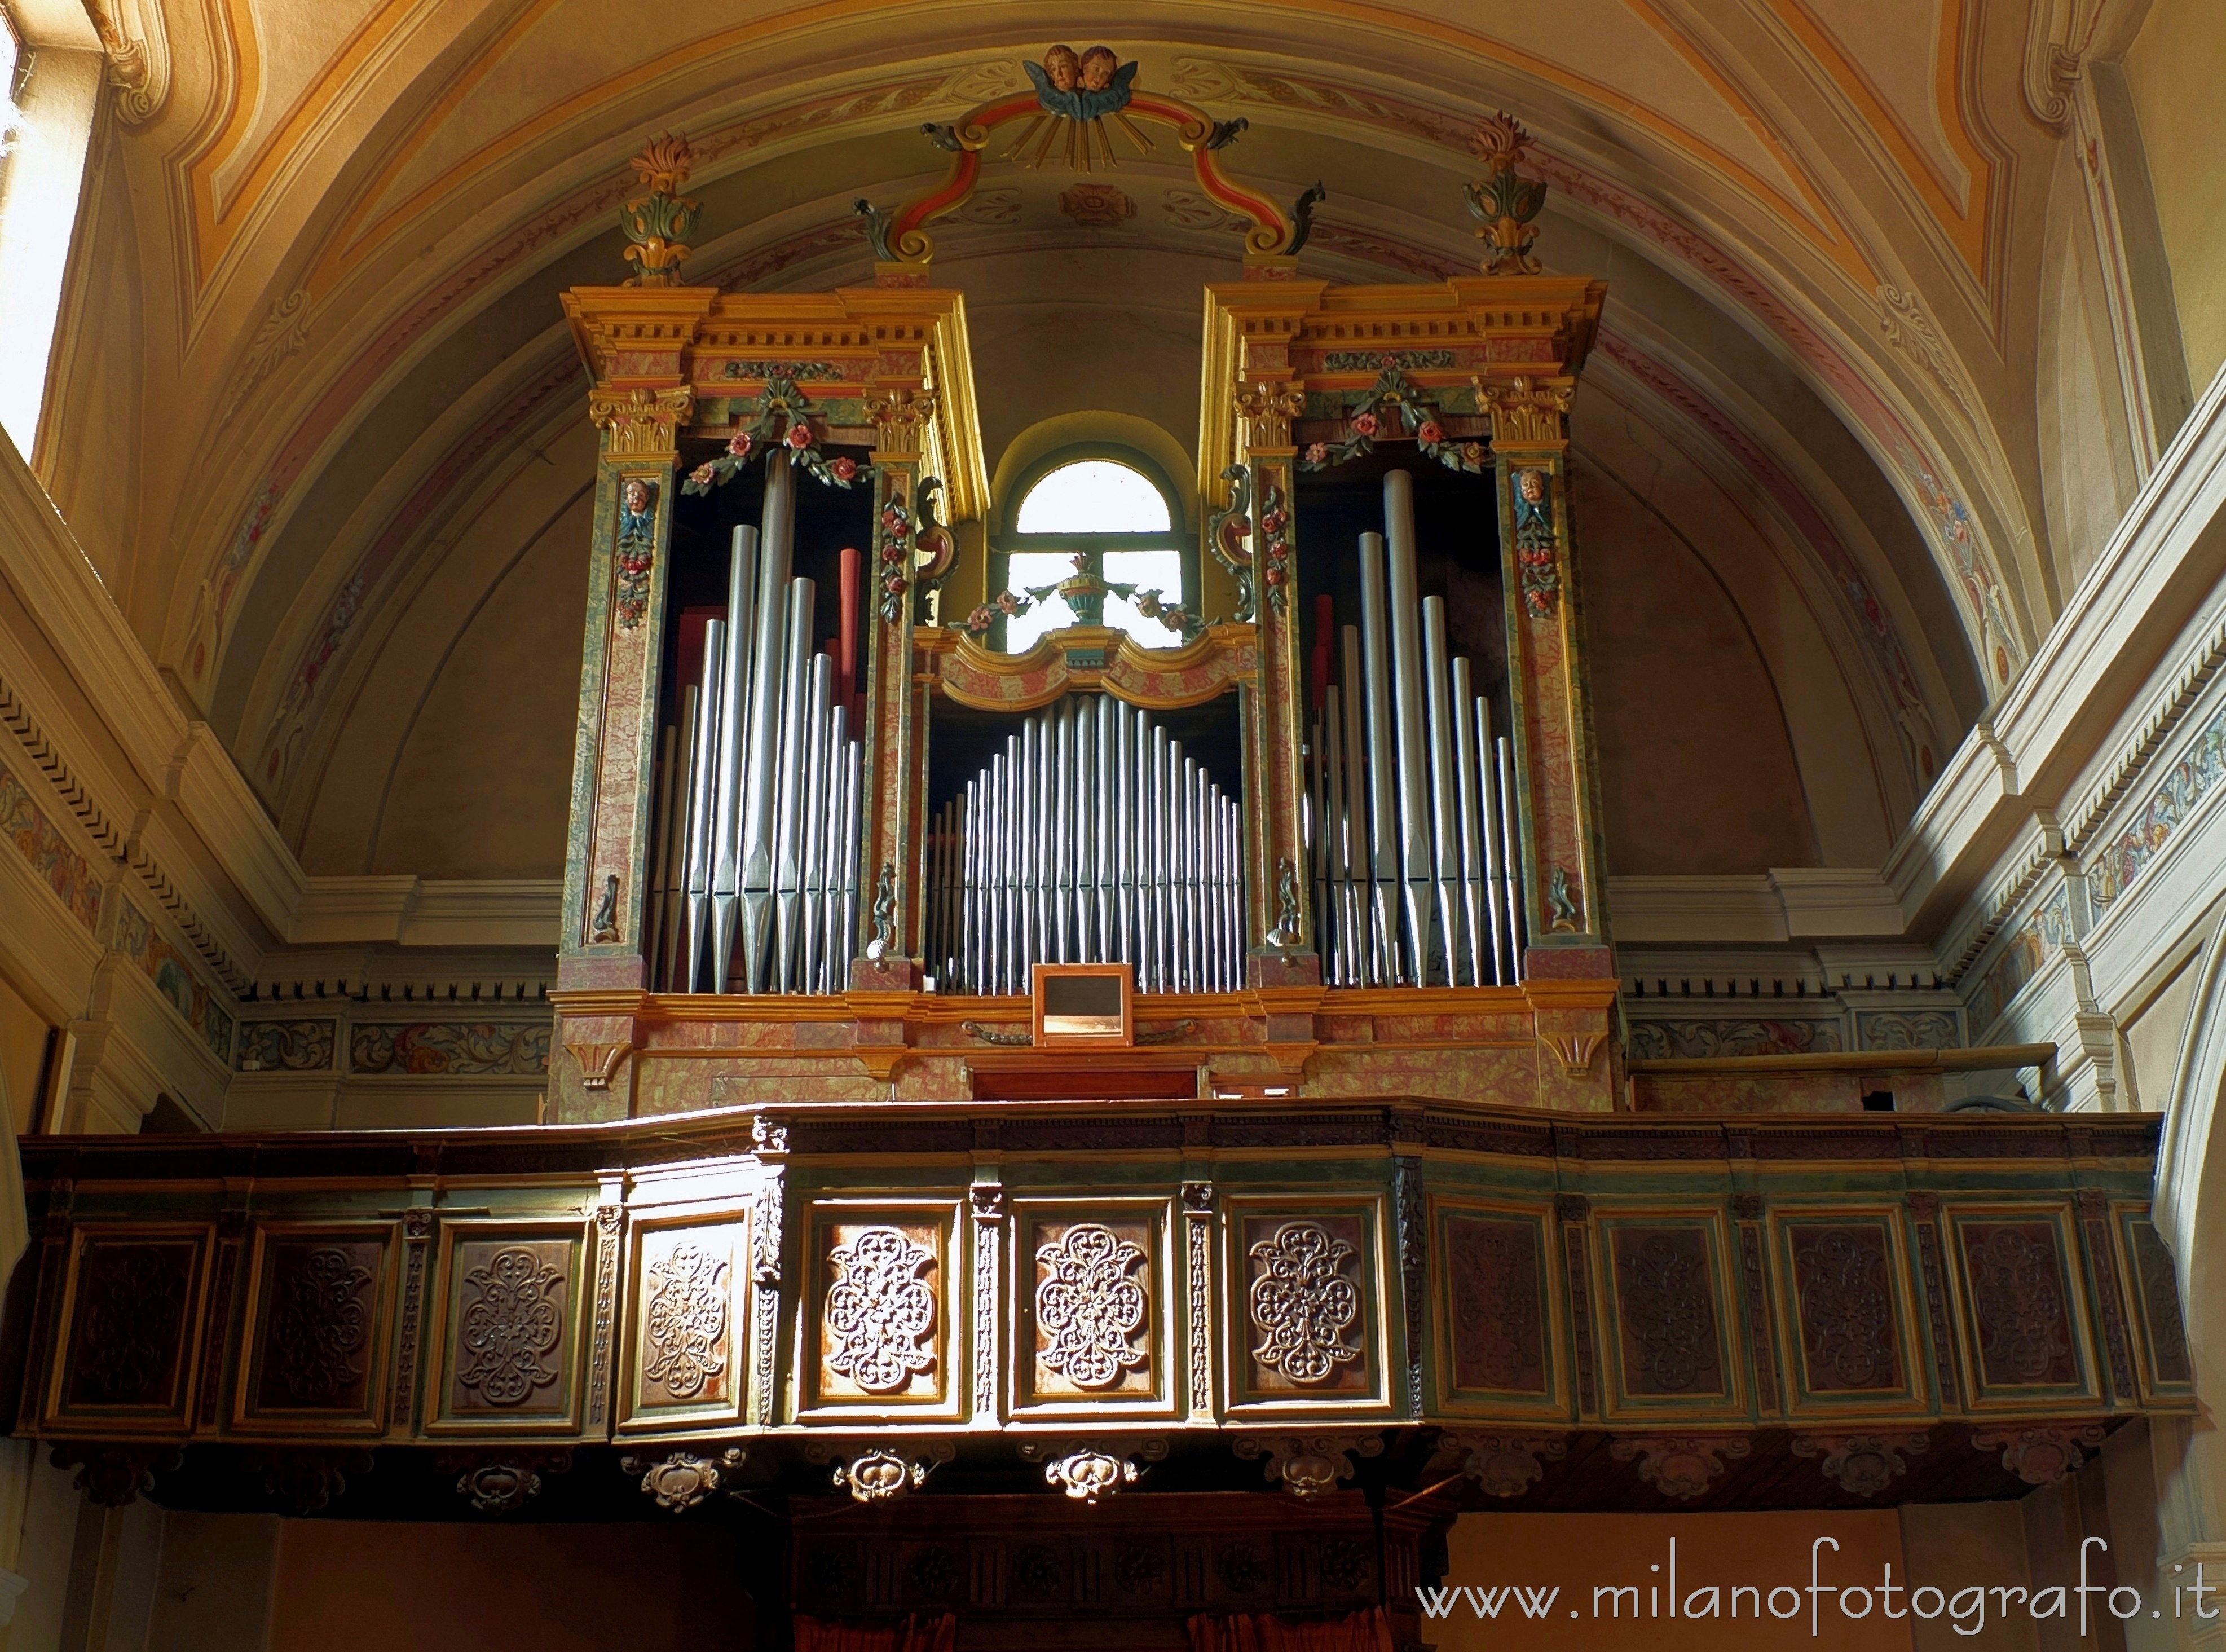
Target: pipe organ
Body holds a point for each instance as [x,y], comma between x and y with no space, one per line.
[822,830]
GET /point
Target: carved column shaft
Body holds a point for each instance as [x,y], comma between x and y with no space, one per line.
[1275,734]
[1556,766]
[895,780]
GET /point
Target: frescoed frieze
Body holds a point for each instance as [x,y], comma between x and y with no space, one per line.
[46,852]
[137,939]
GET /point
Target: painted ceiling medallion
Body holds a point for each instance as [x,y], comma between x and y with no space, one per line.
[1096,205]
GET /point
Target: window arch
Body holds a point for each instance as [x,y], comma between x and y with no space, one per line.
[1110,505]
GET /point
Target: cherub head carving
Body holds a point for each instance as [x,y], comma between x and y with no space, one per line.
[635,496]
[1532,484]
[1064,68]
[1098,64]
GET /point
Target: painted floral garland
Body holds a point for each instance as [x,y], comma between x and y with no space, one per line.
[781,421]
[1394,398]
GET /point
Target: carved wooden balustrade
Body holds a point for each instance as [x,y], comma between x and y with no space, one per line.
[1092,1285]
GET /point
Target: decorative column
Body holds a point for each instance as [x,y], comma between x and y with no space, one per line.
[893,841]
[1281,926]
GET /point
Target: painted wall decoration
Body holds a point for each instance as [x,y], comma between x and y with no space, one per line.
[2185,784]
[286,1046]
[454,1049]
[137,939]
[48,853]
[1923,1029]
[1668,1040]
[2021,957]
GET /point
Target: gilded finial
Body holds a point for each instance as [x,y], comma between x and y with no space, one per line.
[1504,203]
[660,222]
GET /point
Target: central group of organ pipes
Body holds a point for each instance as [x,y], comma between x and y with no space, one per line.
[1092,836]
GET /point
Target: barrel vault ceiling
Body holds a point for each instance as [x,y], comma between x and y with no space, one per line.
[313,325]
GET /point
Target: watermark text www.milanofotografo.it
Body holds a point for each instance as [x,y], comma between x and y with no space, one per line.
[1817,1606]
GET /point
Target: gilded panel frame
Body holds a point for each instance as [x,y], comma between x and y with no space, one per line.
[572,1347]
[57,1414]
[1559,1401]
[1381,1352]
[1734,1399]
[2084,1393]
[247,1414]
[1164,1334]
[949,1341]
[1805,1400]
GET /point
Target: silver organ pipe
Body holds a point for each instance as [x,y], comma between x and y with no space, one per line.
[697,878]
[1383,874]
[1408,724]
[762,812]
[1411,795]
[1091,837]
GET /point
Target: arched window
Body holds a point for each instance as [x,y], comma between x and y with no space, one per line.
[1111,507]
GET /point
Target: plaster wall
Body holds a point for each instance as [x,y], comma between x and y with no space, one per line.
[2087,474]
[338,1587]
[2173,71]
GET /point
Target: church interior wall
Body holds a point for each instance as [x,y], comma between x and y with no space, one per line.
[2055,872]
[2088,463]
[2172,71]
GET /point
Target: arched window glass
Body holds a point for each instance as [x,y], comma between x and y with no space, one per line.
[1094,496]
[1118,519]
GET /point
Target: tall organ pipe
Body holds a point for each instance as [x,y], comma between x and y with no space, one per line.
[788,811]
[725,781]
[1383,869]
[698,879]
[1409,721]
[767,669]
[1468,786]
[1366,970]
[1445,833]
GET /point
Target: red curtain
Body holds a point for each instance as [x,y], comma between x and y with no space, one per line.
[913,1635]
[1364,1631]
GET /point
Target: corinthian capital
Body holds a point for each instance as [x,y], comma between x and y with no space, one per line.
[640,424]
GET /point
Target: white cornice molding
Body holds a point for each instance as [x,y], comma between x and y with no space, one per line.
[111,680]
[1785,904]
[2160,573]
[406,911]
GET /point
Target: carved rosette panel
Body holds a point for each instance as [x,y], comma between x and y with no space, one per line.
[692,1320]
[1844,1280]
[318,1325]
[1668,1316]
[1495,1311]
[2019,1303]
[130,1339]
[511,1321]
[1091,1315]
[880,1318]
[1305,1305]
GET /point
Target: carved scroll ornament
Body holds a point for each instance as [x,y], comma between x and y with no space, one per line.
[1091,1306]
[513,1317]
[1302,1305]
[686,1325]
[881,1313]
